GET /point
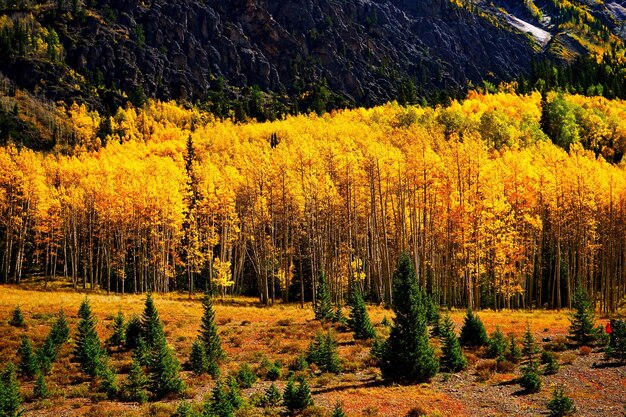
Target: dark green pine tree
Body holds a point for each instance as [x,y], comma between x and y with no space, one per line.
[10,397]
[473,332]
[497,345]
[28,366]
[359,321]
[407,355]
[582,322]
[197,358]
[185,409]
[118,338]
[135,388]
[133,332]
[17,319]
[219,405]
[209,336]
[323,306]
[46,355]
[452,358]
[163,366]
[234,393]
[298,397]
[60,332]
[151,326]
[530,350]
[272,396]
[107,378]
[40,389]
[88,349]
[338,411]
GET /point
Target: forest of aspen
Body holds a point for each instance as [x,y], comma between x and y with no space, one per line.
[312,246]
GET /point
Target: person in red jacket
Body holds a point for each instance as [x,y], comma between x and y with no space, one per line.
[608,328]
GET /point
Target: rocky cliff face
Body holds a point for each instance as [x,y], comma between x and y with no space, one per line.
[364,50]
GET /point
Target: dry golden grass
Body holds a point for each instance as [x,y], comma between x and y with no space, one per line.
[250,333]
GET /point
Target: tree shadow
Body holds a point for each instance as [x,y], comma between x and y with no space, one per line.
[366,384]
[611,364]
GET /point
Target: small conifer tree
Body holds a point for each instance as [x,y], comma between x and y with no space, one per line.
[88,348]
[136,385]
[40,389]
[28,366]
[297,397]
[164,370]
[407,355]
[452,359]
[473,332]
[560,405]
[151,326]
[10,397]
[118,337]
[272,396]
[60,332]
[582,329]
[323,306]
[514,354]
[338,411]
[323,352]
[17,319]
[197,358]
[497,345]
[359,321]
[132,333]
[246,376]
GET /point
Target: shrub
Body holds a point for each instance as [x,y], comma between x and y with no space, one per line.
[338,411]
[272,396]
[560,405]
[28,366]
[551,363]
[504,366]
[185,409]
[246,376]
[323,353]
[17,319]
[297,397]
[273,372]
[497,345]
[530,380]
[473,332]
[584,351]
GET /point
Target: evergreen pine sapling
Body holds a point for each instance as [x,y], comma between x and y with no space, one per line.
[185,409]
[338,411]
[10,397]
[135,387]
[529,348]
[323,306]
[118,337]
[323,353]
[407,355]
[60,332]
[107,378]
[550,362]
[514,355]
[88,350]
[560,405]
[28,366]
[17,319]
[359,321]
[473,332]
[246,376]
[197,358]
[582,321]
[132,333]
[497,345]
[219,405]
[46,355]
[234,393]
[272,396]
[151,326]
[452,358]
[164,370]
[40,389]
[209,338]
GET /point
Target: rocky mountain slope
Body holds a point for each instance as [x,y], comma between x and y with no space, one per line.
[274,55]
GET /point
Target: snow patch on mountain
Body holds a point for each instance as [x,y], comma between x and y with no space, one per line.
[541,36]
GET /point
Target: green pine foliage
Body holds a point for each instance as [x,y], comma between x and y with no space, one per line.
[17,319]
[560,405]
[47,354]
[133,332]
[151,327]
[359,321]
[616,348]
[339,317]
[185,409]
[529,348]
[118,338]
[60,332]
[323,353]
[197,358]
[407,355]
[164,370]
[530,379]
[40,389]
[452,358]
[582,322]
[297,397]
[210,339]
[514,354]
[473,332]
[224,401]
[323,307]
[10,397]
[338,411]
[246,376]
[497,345]
[272,396]
[136,384]
[28,365]
[88,349]
[274,372]
[142,353]
[107,378]
[550,362]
